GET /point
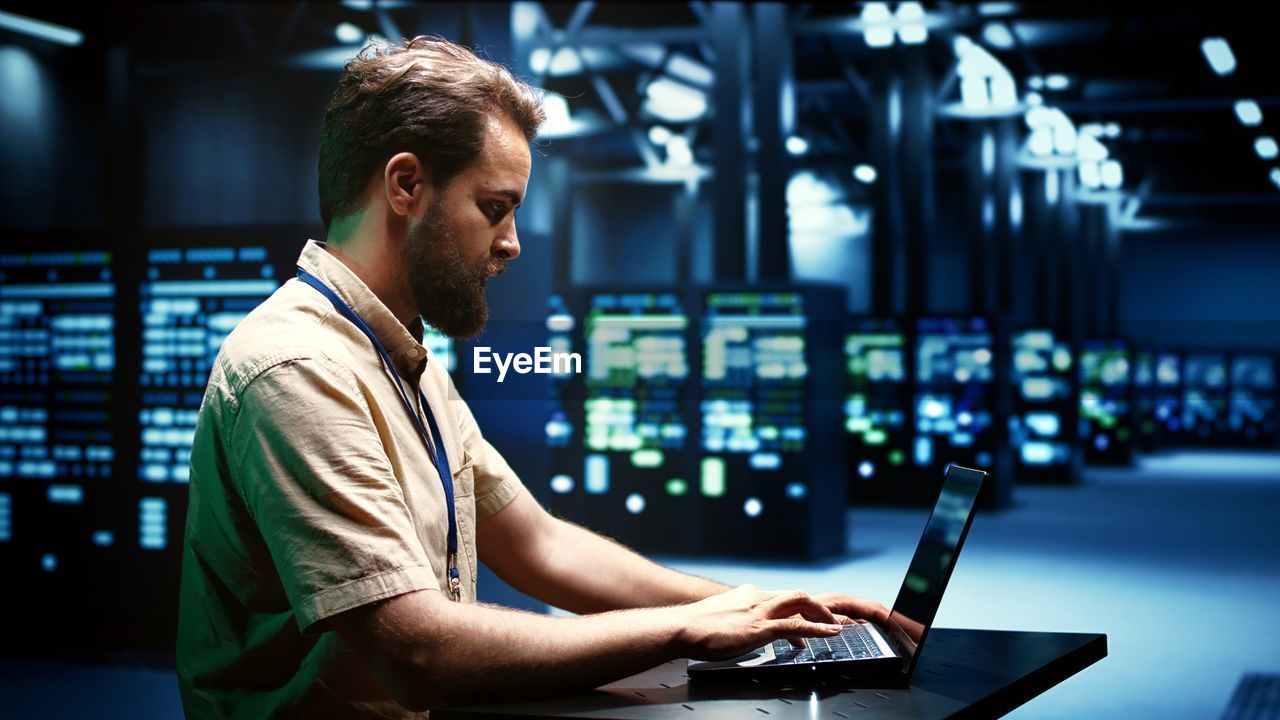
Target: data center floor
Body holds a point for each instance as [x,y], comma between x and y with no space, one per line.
[1175,559]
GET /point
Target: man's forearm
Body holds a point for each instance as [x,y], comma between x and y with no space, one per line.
[478,653]
[588,573]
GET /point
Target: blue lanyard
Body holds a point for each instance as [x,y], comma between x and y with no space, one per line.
[434,441]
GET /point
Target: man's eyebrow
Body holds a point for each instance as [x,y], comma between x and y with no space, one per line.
[512,196]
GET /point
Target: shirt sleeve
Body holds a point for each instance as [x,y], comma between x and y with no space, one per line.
[311,467]
[496,484]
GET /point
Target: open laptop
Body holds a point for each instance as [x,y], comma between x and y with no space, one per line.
[867,653]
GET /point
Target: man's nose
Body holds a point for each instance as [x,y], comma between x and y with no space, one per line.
[507,246]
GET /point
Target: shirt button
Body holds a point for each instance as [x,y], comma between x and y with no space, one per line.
[413,352]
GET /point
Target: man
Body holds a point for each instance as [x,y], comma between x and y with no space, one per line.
[323,572]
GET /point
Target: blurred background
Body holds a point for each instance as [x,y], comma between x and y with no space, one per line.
[810,255]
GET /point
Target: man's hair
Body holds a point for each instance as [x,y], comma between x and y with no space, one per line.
[427,96]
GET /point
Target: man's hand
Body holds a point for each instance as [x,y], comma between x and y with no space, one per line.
[740,620]
[847,607]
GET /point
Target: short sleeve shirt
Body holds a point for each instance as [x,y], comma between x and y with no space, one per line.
[312,492]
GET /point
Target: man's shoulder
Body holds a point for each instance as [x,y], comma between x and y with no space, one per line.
[294,323]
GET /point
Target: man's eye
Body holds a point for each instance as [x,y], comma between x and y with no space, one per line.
[497,210]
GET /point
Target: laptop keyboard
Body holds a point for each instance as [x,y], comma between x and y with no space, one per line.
[854,642]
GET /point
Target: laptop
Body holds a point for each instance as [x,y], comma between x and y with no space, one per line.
[866,653]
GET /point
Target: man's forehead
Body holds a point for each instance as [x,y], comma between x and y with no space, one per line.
[506,160]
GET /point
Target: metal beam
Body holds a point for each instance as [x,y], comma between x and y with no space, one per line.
[731,39]
[773,110]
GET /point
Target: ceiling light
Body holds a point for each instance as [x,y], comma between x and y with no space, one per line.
[678,151]
[1248,112]
[797,145]
[41,29]
[997,35]
[988,9]
[348,33]
[910,22]
[877,27]
[1266,148]
[864,173]
[559,122]
[674,102]
[1112,174]
[1218,52]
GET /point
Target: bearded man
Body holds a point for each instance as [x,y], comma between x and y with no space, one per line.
[341,492]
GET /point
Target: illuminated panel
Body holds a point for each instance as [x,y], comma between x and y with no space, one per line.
[1168,393]
[559,429]
[636,373]
[57,361]
[1105,413]
[876,399]
[955,375]
[153,523]
[1144,398]
[1253,406]
[1040,432]
[190,302]
[1204,397]
[753,376]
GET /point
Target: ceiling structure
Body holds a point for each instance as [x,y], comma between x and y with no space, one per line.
[1185,153]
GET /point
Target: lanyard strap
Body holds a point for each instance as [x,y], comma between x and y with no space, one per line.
[433,440]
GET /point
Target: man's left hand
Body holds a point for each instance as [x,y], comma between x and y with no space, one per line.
[848,607]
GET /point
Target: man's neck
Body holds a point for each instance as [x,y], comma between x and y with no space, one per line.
[376,269]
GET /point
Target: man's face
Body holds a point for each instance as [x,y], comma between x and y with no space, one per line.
[468,234]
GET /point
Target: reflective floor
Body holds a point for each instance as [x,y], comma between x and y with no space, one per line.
[1175,559]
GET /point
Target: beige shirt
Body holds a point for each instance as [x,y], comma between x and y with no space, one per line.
[312,492]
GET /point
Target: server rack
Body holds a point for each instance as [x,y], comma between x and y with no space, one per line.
[1043,428]
[877,408]
[1106,404]
[621,431]
[1251,417]
[771,468]
[960,399]
[1205,397]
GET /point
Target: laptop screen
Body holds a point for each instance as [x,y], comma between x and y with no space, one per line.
[927,576]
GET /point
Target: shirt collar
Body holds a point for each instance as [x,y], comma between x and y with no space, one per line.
[406,353]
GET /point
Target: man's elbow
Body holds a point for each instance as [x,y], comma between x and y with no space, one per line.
[403,653]
[411,685]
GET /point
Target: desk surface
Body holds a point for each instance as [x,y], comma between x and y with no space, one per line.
[979,673]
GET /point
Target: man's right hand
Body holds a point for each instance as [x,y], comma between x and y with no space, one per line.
[738,621]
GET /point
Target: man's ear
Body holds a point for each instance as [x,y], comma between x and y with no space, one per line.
[407,183]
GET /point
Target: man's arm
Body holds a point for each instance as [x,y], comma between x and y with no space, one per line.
[570,567]
[427,651]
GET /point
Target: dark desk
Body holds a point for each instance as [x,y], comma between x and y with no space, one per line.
[975,673]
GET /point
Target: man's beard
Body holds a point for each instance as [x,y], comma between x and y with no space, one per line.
[448,289]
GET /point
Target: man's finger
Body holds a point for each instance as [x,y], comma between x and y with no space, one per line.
[854,606]
[803,605]
[792,628]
